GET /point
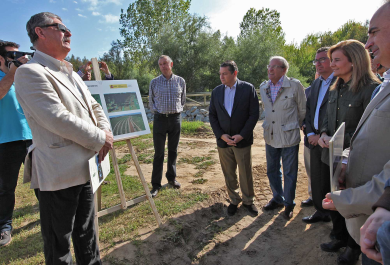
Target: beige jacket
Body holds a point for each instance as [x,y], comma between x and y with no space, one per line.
[284,117]
[368,164]
[67,129]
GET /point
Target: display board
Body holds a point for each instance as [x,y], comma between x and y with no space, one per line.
[336,145]
[98,171]
[122,103]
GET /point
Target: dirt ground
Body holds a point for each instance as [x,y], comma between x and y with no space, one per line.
[205,234]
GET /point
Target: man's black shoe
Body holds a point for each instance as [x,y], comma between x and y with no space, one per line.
[332,235]
[333,246]
[307,203]
[232,209]
[349,256]
[174,183]
[288,212]
[5,238]
[316,217]
[252,209]
[272,205]
[154,192]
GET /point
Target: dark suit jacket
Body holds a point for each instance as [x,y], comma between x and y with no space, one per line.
[307,94]
[311,105]
[245,114]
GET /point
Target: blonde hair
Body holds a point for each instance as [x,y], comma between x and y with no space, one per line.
[360,58]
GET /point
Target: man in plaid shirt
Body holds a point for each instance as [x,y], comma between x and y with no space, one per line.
[167,96]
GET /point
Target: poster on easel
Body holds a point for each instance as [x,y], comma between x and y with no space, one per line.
[122,103]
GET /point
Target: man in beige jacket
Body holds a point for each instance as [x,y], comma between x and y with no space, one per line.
[285,107]
[68,128]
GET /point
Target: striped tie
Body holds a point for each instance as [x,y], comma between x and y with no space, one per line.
[376,90]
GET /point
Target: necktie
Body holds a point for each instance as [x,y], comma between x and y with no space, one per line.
[376,90]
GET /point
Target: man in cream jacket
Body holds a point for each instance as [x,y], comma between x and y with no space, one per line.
[68,128]
[285,107]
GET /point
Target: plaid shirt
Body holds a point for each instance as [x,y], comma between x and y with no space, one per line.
[167,96]
[275,88]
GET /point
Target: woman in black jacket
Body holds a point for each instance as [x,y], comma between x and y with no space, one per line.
[348,98]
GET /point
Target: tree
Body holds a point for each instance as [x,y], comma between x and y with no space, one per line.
[144,20]
[261,37]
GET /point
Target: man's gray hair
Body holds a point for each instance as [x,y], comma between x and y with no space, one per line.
[282,60]
[165,57]
[38,20]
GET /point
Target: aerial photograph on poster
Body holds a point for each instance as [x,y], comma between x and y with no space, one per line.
[97,98]
[125,124]
[117,102]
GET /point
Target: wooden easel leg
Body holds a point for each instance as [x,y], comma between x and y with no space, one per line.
[146,188]
[118,178]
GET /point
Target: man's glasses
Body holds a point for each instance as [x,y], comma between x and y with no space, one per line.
[59,27]
[274,66]
[321,60]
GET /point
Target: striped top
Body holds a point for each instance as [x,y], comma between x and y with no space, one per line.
[167,96]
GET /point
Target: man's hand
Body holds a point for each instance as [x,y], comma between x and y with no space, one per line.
[342,176]
[228,139]
[324,140]
[237,138]
[313,139]
[107,145]
[86,67]
[368,233]
[327,203]
[104,68]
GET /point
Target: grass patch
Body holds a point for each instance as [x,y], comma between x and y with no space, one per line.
[205,164]
[194,127]
[199,181]
[199,174]
[194,160]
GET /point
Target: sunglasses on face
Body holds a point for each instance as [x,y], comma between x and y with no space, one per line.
[59,26]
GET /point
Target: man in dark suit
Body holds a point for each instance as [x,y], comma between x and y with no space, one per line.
[234,111]
[316,106]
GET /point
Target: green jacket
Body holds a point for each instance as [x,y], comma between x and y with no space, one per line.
[345,106]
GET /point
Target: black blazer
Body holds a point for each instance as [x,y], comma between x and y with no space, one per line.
[311,105]
[245,114]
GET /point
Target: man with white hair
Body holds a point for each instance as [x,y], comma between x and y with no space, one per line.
[285,107]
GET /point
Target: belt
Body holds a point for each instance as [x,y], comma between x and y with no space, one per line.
[166,114]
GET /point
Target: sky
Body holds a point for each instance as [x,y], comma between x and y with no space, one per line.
[95,23]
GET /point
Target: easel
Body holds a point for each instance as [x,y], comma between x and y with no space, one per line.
[124,204]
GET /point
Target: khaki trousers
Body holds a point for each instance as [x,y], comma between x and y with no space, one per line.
[230,157]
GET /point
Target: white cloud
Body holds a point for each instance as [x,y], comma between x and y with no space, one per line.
[52,1]
[81,15]
[111,18]
[64,9]
[95,13]
[116,2]
[75,2]
[99,29]
[78,9]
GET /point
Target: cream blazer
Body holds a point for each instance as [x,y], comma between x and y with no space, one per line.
[368,164]
[285,116]
[67,129]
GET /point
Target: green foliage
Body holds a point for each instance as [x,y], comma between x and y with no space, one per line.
[144,20]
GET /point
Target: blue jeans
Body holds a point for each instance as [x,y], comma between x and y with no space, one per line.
[12,156]
[289,156]
[383,238]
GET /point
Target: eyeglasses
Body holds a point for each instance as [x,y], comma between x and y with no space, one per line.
[321,60]
[274,66]
[59,27]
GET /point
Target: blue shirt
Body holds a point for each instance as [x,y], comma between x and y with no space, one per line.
[13,123]
[230,92]
[324,87]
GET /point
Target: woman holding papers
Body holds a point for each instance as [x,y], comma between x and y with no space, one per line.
[348,98]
